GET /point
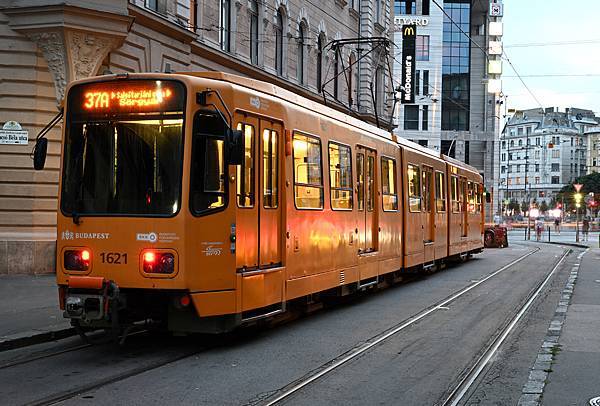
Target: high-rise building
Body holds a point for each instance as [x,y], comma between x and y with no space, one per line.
[457,90]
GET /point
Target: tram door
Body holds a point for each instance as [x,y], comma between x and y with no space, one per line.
[428,214]
[366,185]
[258,220]
[463,207]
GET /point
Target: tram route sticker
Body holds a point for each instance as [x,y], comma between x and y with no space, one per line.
[212,248]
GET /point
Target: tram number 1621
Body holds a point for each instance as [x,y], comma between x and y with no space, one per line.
[113,258]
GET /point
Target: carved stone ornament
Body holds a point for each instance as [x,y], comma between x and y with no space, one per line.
[52,45]
[86,53]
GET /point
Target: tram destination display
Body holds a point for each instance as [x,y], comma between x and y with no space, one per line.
[127,97]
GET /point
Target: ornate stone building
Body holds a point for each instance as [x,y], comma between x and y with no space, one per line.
[48,43]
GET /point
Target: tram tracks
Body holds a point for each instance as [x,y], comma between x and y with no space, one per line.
[473,371]
[289,390]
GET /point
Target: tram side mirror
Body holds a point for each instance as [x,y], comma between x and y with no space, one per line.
[488,197]
[236,147]
[39,154]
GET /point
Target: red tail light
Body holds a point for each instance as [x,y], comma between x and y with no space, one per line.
[77,260]
[158,262]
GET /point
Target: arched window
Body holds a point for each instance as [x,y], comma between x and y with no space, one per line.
[320,45]
[254,32]
[379,89]
[351,80]
[336,72]
[225,32]
[300,56]
[279,44]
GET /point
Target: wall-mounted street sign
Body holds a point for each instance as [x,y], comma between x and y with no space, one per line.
[12,134]
[409,37]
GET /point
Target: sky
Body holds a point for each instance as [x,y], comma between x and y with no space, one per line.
[529,23]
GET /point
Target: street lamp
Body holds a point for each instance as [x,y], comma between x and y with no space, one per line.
[578,197]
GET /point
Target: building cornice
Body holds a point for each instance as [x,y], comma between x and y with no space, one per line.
[161,24]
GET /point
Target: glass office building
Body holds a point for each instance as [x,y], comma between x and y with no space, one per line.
[456,66]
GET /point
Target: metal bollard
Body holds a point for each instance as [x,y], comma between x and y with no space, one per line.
[548,233]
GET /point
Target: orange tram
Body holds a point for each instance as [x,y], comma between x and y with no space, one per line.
[207,200]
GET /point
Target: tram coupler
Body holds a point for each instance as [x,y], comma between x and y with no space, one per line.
[90,299]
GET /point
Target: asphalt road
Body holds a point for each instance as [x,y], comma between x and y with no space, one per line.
[417,366]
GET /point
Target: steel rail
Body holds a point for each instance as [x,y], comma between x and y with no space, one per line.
[43,356]
[468,380]
[59,352]
[373,341]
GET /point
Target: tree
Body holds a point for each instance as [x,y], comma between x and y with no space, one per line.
[514,206]
[591,183]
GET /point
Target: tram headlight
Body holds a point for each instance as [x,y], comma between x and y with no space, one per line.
[158,262]
[77,260]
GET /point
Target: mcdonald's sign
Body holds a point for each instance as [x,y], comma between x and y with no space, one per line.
[409,42]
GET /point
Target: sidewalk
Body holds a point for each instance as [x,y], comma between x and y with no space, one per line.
[29,310]
[567,237]
[575,373]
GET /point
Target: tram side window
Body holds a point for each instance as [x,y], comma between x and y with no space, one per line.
[388,184]
[454,195]
[245,171]
[208,186]
[470,197]
[360,180]
[478,197]
[440,192]
[340,176]
[463,195]
[370,183]
[427,174]
[308,174]
[270,169]
[414,188]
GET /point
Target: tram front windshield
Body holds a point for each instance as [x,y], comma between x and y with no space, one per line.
[123,151]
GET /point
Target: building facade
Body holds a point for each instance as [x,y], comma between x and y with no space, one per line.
[456,109]
[542,151]
[48,43]
[593,153]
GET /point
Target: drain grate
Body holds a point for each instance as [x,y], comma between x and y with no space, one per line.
[595,401]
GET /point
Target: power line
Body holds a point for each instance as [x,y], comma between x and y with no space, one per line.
[549,44]
[522,81]
[555,75]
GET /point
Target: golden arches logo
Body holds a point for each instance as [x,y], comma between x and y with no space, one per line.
[409,31]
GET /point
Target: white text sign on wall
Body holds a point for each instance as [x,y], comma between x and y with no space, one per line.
[12,133]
